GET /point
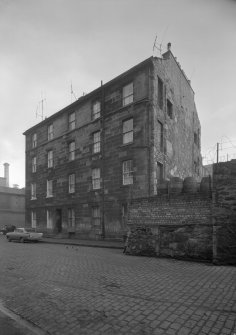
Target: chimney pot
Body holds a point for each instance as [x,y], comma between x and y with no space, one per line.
[6,173]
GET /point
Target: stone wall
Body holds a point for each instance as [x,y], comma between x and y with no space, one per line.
[182,223]
[224,212]
[12,206]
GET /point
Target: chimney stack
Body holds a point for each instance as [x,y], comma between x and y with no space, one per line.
[6,173]
[169,46]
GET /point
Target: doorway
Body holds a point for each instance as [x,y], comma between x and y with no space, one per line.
[58,220]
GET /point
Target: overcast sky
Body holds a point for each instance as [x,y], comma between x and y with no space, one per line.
[47,44]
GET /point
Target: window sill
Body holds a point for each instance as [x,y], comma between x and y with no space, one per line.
[97,119]
[49,196]
[127,185]
[33,199]
[126,144]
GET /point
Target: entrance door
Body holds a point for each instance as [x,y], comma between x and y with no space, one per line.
[59,220]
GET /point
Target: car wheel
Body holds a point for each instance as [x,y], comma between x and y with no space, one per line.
[22,240]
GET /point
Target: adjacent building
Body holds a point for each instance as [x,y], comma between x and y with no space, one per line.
[87,161]
[12,202]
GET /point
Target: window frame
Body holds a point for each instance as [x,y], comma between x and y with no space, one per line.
[71,183]
[34,164]
[127,98]
[96,111]
[49,219]
[33,219]
[96,179]
[71,152]
[127,174]
[33,191]
[72,121]
[96,216]
[49,188]
[34,140]
[50,132]
[125,133]
[71,217]
[50,158]
[97,142]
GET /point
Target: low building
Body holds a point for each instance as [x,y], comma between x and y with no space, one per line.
[85,162]
[12,202]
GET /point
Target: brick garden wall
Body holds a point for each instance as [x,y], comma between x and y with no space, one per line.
[182,223]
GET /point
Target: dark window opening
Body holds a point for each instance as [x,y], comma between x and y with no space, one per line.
[169,109]
[160,93]
[160,137]
[159,172]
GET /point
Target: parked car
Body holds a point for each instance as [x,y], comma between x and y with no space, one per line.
[7,228]
[24,235]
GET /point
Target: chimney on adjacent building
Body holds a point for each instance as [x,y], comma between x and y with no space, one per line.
[6,173]
[169,46]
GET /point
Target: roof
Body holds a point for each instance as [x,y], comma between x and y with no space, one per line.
[146,62]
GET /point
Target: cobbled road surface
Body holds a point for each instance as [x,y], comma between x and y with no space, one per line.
[81,290]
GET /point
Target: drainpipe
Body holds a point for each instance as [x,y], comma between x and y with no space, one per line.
[103,159]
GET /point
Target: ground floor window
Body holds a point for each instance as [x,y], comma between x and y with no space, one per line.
[49,219]
[127,168]
[96,216]
[71,217]
[33,219]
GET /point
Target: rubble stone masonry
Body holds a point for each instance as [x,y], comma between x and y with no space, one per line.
[182,223]
[224,212]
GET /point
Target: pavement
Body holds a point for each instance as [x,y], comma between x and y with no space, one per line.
[82,290]
[112,244]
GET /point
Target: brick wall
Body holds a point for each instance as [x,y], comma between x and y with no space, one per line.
[224,212]
[182,223]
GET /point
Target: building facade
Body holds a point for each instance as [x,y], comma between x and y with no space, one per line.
[86,162]
[12,202]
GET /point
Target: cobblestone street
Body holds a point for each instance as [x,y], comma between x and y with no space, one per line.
[82,290]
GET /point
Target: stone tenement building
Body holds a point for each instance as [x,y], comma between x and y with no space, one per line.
[85,162]
[12,202]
